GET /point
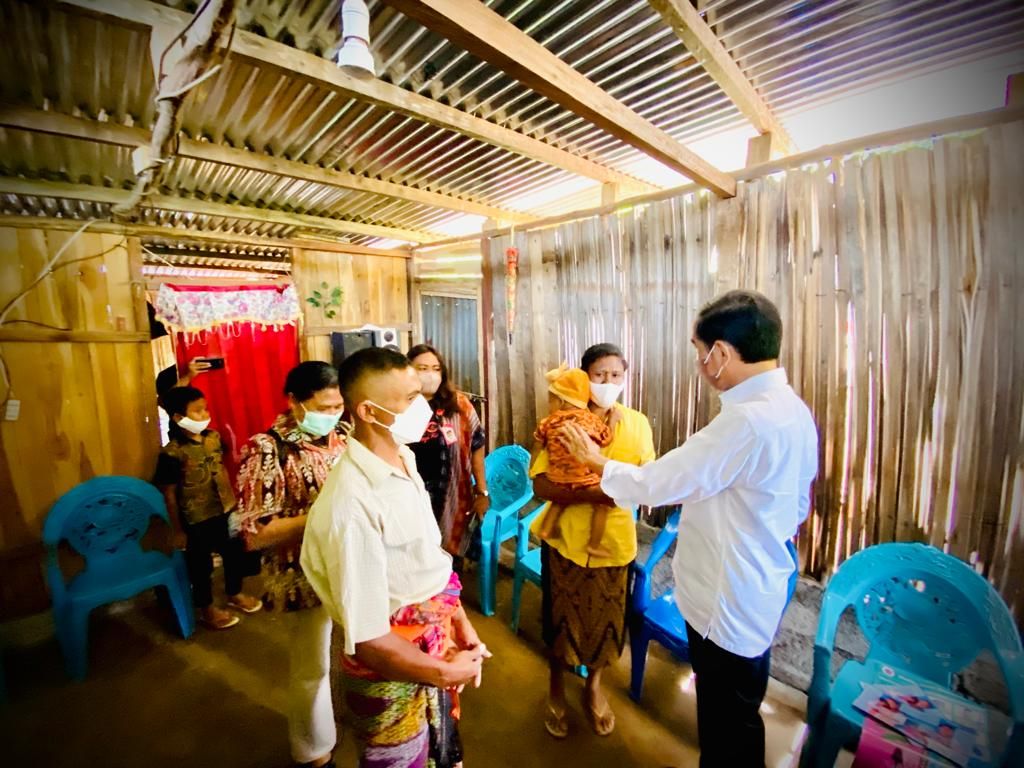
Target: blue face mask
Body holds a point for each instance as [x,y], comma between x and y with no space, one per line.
[319,424]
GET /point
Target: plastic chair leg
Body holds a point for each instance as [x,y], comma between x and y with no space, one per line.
[73,634]
[181,599]
[517,595]
[488,567]
[638,642]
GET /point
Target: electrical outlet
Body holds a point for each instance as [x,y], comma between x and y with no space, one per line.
[13,410]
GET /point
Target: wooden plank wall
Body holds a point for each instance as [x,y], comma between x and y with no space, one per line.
[376,291]
[88,395]
[898,273]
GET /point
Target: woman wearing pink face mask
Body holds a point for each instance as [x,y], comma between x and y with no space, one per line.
[451,453]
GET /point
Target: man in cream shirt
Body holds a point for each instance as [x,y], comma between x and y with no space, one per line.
[372,551]
[744,485]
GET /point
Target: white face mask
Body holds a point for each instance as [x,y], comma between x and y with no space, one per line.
[605,395]
[706,359]
[430,381]
[193,426]
[411,423]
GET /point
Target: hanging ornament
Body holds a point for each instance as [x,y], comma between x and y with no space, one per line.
[511,275]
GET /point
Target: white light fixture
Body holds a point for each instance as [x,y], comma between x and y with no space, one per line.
[355,57]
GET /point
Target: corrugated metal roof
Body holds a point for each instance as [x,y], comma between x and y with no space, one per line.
[175,258]
[795,52]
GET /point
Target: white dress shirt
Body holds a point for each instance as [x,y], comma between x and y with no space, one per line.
[744,485]
[372,544]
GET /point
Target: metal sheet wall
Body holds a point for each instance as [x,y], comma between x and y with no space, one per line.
[450,325]
[897,273]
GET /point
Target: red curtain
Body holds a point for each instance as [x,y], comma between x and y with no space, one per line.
[246,395]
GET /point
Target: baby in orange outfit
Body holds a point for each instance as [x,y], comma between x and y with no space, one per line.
[568,396]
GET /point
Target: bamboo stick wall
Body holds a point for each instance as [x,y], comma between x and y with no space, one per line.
[898,273]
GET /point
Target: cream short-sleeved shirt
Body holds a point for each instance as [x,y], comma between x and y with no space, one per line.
[372,544]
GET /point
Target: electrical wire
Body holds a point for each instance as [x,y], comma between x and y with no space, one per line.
[46,270]
[51,266]
[37,323]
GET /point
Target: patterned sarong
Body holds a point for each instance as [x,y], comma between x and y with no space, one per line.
[408,725]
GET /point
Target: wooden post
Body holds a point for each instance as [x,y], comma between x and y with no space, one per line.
[1015,90]
[487,334]
[609,194]
[759,149]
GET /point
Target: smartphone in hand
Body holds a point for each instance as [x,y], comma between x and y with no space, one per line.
[215,363]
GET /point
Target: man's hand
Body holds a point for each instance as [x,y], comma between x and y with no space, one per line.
[480,506]
[462,667]
[578,443]
[178,539]
[467,639]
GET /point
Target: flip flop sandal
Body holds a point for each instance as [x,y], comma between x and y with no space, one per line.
[224,624]
[251,609]
[603,724]
[555,724]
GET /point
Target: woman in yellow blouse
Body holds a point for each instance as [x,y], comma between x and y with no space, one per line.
[584,603]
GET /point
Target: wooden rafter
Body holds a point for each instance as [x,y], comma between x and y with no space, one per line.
[700,40]
[373,91]
[17,186]
[109,133]
[197,235]
[474,27]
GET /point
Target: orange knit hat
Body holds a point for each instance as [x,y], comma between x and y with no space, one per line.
[570,384]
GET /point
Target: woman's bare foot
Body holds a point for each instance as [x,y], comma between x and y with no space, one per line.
[245,603]
[217,618]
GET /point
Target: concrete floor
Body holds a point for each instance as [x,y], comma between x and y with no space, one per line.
[152,699]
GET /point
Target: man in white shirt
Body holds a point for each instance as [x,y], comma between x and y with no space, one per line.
[372,552]
[744,485]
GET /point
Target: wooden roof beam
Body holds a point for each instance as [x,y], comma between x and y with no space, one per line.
[110,133]
[197,235]
[474,27]
[17,186]
[701,41]
[373,91]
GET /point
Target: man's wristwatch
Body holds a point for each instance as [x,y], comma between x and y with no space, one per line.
[485,493]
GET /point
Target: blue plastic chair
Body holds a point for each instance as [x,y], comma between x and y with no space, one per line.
[527,567]
[926,616]
[104,521]
[659,618]
[508,481]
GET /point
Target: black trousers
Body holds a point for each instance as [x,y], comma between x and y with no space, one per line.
[202,540]
[730,690]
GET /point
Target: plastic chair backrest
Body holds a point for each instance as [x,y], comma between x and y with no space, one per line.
[659,548]
[523,530]
[104,520]
[919,609]
[508,477]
